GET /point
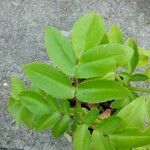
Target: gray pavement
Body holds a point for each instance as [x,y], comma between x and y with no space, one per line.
[21,41]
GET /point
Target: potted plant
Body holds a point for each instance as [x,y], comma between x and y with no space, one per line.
[89,91]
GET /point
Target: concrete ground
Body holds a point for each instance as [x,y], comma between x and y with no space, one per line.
[21,41]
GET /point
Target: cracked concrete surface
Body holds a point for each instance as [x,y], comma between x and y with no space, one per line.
[21,41]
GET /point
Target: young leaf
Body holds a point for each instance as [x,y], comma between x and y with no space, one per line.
[17,86]
[133,115]
[34,102]
[115,34]
[103,59]
[48,121]
[91,116]
[61,126]
[15,108]
[59,50]
[87,33]
[139,77]
[51,80]
[99,142]
[109,125]
[52,102]
[82,138]
[135,58]
[95,91]
[129,138]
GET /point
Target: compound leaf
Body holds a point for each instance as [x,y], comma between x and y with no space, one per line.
[29,119]
[87,33]
[82,138]
[52,102]
[133,114]
[109,125]
[135,58]
[15,108]
[91,116]
[59,50]
[49,79]
[139,77]
[95,91]
[65,106]
[115,34]
[34,102]
[61,126]
[17,86]
[102,60]
[130,138]
[99,142]
[48,121]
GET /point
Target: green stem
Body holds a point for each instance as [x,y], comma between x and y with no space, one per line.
[140,89]
[78,103]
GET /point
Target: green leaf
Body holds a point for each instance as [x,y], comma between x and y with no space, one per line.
[29,119]
[95,91]
[99,142]
[15,108]
[87,33]
[52,102]
[120,103]
[133,115]
[91,116]
[17,86]
[135,58]
[109,125]
[109,76]
[34,102]
[65,106]
[139,77]
[147,72]
[115,34]
[147,110]
[105,39]
[143,57]
[49,79]
[130,138]
[144,52]
[48,121]
[37,90]
[61,126]
[82,138]
[103,59]
[59,50]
